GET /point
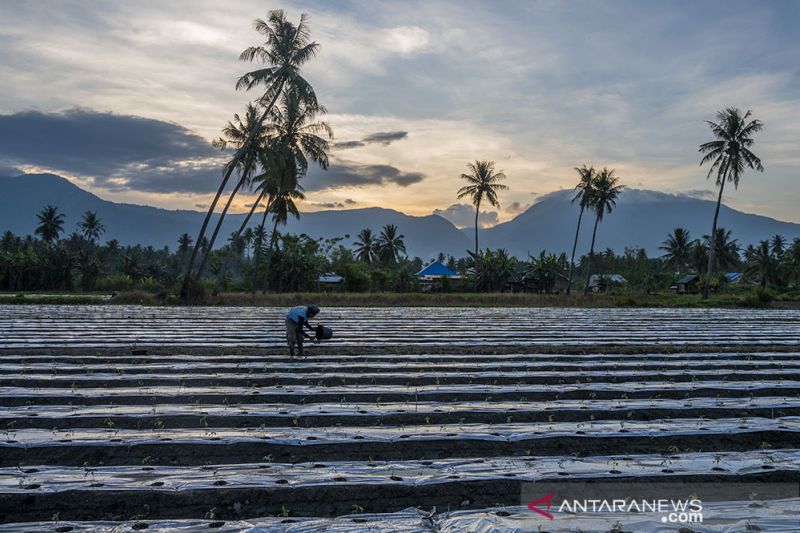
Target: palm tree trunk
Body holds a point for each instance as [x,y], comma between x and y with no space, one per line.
[713,241]
[228,171]
[225,265]
[219,221]
[477,258]
[258,254]
[574,246]
[591,256]
[269,254]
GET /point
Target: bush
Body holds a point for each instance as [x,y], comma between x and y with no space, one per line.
[356,277]
[115,282]
[134,298]
[758,297]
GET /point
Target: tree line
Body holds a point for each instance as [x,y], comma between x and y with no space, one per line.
[260,260]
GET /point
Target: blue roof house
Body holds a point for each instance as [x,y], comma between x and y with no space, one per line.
[436,270]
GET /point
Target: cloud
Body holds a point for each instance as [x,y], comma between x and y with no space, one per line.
[516,207]
[10,171]
[118,152]
[704,194]
[350,201]
[385,137]
[348,174]
[382,137]
[327,205]
[463,215]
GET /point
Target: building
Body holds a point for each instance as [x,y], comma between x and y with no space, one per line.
[687,284]
[601,283]
[435,274]
[734,277]
[329,281]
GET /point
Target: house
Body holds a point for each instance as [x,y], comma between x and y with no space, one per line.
[436,271]
[734,277]
[686,284]
[435,274]
[329,281]
[601,283]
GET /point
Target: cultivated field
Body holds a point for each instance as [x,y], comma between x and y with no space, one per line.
[411,419]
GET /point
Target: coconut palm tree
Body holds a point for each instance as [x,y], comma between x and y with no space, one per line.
[763,263]
[583,195]
[237,134]
[365,246]
[51,224]
[390,245]
[727,255]
[778,245]
[247,239]
[678,247]
[483,182]
[286,48]
[730,155]
[293,137]
[603,197]
[91,226]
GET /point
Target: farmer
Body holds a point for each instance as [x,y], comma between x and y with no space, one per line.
[296,319]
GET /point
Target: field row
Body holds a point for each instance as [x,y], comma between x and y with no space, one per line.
[105,326]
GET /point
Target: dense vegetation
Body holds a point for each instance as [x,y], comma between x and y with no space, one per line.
[259,262]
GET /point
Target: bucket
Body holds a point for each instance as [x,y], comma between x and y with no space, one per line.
[324,333]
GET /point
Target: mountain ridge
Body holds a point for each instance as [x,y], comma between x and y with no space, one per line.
[642,218]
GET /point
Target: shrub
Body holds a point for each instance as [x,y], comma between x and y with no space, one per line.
[134,298]
[758,297]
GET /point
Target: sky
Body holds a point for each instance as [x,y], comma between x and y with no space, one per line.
[124,98]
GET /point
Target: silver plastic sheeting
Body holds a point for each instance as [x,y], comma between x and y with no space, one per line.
[407,521]
[26,437]
[417,390]
[399,376]
[173,478]
[60,364]
[293,410]
[775,516]
[46,325]
[400,358]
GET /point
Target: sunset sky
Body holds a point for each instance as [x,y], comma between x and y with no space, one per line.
[124,98]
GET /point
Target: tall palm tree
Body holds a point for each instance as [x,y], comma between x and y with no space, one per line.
[281,206]
[51,224]
[483,182]
[237,134]
[604,196]
[293,137]
[365,246]
[677,246]
[583,195]
[286,48]
[390,245]
[91,226]
[730,155]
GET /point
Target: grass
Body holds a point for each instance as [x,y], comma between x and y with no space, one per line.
[47,298]
[740,298]
[416,299]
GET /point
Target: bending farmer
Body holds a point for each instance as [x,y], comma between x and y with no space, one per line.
[296,320]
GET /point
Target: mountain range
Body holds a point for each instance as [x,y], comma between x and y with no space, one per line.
[641,218]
